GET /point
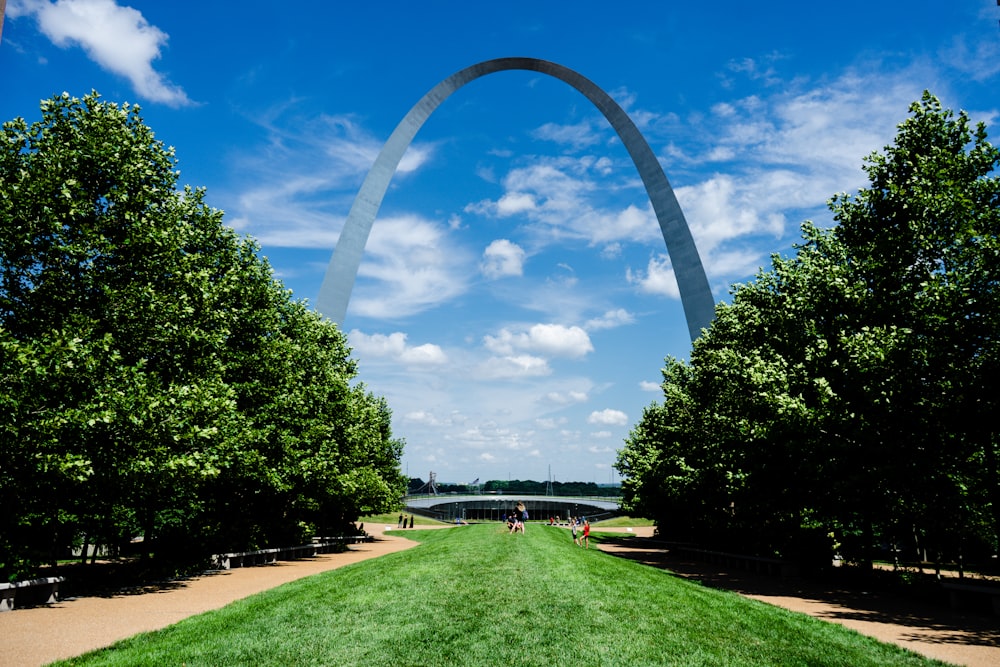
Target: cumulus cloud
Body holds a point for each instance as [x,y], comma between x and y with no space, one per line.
[658,278]
[608,417]
[513,203]
[646,385]
[610,320]
[502,258]
[395,347]
[550,339]
[117,38]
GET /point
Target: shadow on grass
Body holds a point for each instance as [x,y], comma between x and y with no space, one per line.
[840,596]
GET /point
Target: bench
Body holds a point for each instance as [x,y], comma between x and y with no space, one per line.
[341,540]
[244,559]
[319,545]
[30,592]
[961,596]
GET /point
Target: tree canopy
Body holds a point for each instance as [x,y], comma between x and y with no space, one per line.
[846,398]
[156,381]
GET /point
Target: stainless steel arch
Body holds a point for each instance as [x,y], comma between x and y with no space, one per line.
[696,296]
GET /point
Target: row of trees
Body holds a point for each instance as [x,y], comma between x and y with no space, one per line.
[156,381]
[846,400]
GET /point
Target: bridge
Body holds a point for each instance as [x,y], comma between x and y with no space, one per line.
[492,507]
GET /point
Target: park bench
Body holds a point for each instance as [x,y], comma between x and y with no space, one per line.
[234,559]
[30,592]
[964,596]
[340,540]
[319,545]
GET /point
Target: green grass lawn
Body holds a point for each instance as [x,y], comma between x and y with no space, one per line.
[622,522]
[477,596]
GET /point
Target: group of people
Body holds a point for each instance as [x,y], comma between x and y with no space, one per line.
[581,538]
[580,528]
[517,518]
[403,520]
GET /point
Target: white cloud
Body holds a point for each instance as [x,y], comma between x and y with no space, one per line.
[492,438]
[395,347]
[550,423]
[579,135]
[550,339]
[561,197]
[980,62]
[409,265]
[513,203]
[566,398]
[513,366]
[608,417]
[610,320]
[646,385]
[117,38]
[502,258]
[780,155]
[422,417]
[657,279]
[297,189]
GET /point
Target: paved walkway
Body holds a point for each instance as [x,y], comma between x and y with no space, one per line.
[30,637]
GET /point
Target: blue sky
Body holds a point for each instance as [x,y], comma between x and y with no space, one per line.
[516,302]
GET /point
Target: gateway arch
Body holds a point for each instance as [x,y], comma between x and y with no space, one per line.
[696,296]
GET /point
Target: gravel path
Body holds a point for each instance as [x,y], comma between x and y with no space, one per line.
[30,637]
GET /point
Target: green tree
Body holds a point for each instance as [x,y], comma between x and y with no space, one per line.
[849,389]
[924,243]
[156,380]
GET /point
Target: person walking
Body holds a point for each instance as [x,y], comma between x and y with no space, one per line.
[572,527]
[586,533]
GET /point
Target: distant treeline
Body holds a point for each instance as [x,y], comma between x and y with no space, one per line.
[526,487]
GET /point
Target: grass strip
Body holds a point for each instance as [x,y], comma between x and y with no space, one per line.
[477,596]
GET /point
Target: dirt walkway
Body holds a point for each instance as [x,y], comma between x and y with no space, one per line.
[40,635]
[931,630]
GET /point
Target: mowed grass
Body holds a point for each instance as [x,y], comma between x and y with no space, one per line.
[621,522]
[475,595]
